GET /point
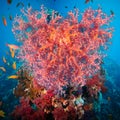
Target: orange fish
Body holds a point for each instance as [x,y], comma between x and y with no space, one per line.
[4,21]
[14,65]
[13,77]
[3,69]
[12,52]
[4,60]
[14,47]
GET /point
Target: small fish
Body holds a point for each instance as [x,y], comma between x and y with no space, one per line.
[4,21]
[87,1]
[4,60]
[28,4]
[22,4]
[74,7]
[12,52]
[10,17]
[13,77]
[66,6]
[14,47]
[2,114]
[19,3]
[3,69]
[9,1]
[112,13]
[14,65]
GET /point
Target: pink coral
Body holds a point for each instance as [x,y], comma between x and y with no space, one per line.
[63,51]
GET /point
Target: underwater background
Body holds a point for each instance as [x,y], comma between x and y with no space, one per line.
[110,107]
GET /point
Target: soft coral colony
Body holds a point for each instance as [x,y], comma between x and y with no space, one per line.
[64,57]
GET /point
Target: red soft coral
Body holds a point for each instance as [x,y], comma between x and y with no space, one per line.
[25,112]
[60,114]
[62,51]
[96,84]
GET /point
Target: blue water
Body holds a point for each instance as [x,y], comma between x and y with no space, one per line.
[6,36]
[111,62]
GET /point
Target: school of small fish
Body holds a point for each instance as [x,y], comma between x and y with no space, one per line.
[12,49]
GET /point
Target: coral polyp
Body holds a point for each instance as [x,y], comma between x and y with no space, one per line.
[63,51]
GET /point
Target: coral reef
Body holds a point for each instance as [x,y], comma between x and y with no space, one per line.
[45,104]
[63,57]
[63,51]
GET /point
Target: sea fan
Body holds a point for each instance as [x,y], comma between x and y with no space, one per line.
[63,51]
